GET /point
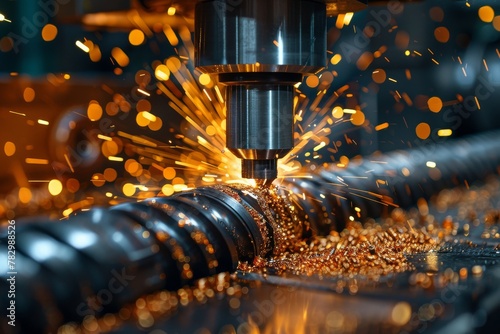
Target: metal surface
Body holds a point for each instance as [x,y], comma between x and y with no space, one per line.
[155,244]
[279,40]
[260,126]
[378,184]
[166,243]
[261,36]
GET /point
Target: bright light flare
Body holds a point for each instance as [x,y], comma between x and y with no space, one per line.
[3,18]
[82,46]
[431,164]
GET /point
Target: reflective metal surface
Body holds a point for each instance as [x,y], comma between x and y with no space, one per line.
[267,33]
[260,121]
[71,268]
[274,39]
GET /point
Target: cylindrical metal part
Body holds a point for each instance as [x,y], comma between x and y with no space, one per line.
[260,49]
[259,169]
[260,121]
[260,36]
[100,259]
[374,186]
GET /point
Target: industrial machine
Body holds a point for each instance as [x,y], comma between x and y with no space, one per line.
[260,50]
[397,242]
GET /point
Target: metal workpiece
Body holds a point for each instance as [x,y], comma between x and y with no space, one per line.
[98,260]
[374,186]
[101,259]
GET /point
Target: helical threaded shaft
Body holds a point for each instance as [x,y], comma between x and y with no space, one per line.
[375,185]
[103,258]
[98,260]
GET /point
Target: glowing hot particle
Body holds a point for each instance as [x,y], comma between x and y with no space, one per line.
[435,104]
[486,13]
[17,113]
[204,79]
[43,122]
[219,94]
[36,161]
[55,187]
[348,17]
[82,46]
[136,37]
[336,59]
[103,137]
[128,189]
[120,57]
[320,146]
[9,148]
[142,91]
[431,164]
[464,71]
[67,212]
[25,195]
[423,130]
[162,72]
[477,103]
[339,24]
[445,132]
[29,94]
[3,18]
[208,96]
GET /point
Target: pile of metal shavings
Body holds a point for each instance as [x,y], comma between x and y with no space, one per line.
[462,217]
[371,251]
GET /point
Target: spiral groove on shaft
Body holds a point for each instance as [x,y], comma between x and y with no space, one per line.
[103,258]
[398,179]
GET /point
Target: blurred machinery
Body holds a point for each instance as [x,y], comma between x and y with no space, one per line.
[103,268]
